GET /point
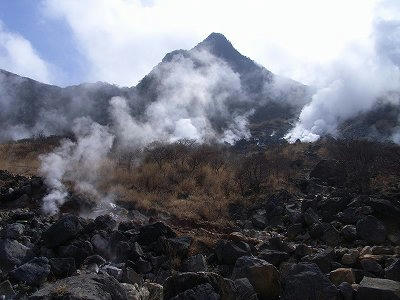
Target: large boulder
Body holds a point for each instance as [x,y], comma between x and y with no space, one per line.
[12,253]
[33,273]
[377,288]
[199,286]
[64,230]
[370,229]
[228,252]
[263,276]
[84,286]
[306,281]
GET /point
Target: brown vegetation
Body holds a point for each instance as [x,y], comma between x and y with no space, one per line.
[201,182]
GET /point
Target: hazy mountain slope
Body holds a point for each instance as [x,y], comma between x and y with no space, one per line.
[239,86]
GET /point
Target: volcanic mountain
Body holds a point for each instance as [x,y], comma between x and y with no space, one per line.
[271,103]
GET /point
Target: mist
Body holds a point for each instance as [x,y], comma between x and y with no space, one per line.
[193,95]
[361,77]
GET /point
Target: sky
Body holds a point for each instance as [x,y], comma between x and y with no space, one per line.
[67,42]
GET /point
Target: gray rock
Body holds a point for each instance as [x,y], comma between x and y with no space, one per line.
[100,245]
[346,291]
[377,288]
[306,281]
[195,263]
[177,285]
[372,266]
[84,286]
[64,230]
[331,235]
[113,271]
[244,290]
[202,291]
[370,229]
[62,267]
[274,257]
[349,233]
[155,290]
[392,272]
[33,273]
[229,251]
[323,260]
[12,253]
[151,232]
[7,290]
[13,231]
[310,217]
[263,276]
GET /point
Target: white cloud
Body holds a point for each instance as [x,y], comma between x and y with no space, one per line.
[18,56]
[124,39]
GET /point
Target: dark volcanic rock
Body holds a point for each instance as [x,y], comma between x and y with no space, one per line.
[195,263]
[322,259]
[64,230]
[306,281]
[371,230]
[12,253]
[349,233]
[392,272]
[33,273]
[370,265]
[85,286]
[151,232]
[62,267]
[7,290]
[198,284]
[229,251]
[273,257]
[244,290]
[377,288]
[263,276]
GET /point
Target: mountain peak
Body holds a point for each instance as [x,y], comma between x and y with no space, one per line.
[218,45]
[217,38]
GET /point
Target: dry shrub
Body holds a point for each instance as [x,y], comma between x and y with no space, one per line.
[22,157]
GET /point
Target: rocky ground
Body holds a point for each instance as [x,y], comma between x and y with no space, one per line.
[328,244]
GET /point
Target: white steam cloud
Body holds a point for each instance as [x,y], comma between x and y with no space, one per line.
[365,74]
[78,162]
[190,95]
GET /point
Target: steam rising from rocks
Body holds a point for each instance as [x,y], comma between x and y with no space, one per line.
[190,97]
[77,162]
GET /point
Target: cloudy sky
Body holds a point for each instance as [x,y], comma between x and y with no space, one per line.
[66,42]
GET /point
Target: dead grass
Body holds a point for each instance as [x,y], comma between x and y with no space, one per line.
[22,157]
